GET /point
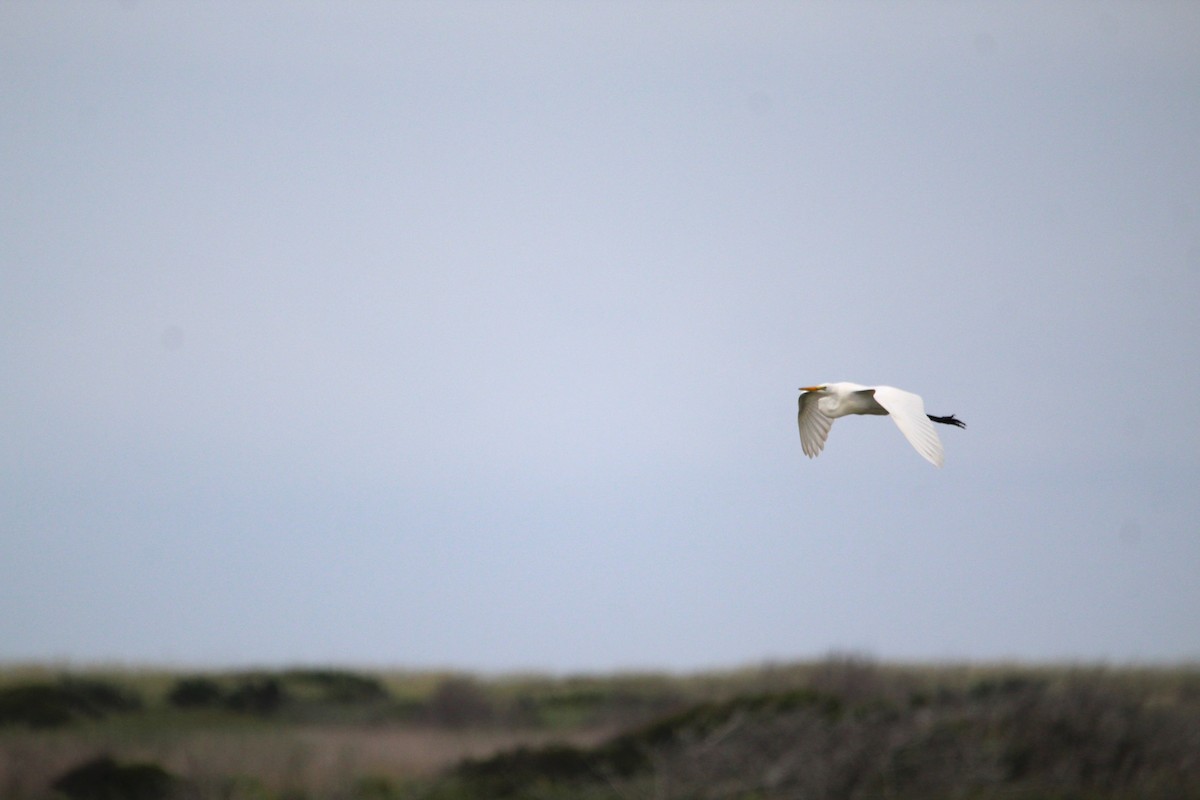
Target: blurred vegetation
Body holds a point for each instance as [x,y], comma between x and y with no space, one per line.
[103,778]
[65,700]
[843,727]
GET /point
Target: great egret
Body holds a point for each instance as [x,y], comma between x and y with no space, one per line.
[821,405]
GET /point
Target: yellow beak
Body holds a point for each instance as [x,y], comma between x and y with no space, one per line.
[810,388]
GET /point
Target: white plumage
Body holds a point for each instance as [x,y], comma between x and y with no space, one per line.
[821,405]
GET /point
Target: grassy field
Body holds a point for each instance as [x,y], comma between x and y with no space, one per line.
[837,728]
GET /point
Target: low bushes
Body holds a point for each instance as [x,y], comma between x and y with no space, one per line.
[103,778]
[53,703]
[1082,736]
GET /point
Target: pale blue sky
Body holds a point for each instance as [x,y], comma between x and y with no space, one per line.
[469,334]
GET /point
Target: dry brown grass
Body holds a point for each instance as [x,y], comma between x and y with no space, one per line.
[323,760]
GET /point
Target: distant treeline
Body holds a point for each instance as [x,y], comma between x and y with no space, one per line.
[67,699]
[328,695]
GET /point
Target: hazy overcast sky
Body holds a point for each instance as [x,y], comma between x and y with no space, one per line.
[469,334]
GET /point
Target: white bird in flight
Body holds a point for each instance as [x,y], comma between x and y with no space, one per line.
[821,405]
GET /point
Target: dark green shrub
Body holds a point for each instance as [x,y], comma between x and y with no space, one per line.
[337,686]
[65,701]
[257,695]
[513,772]
[37,705]
[104,779]
[195,692]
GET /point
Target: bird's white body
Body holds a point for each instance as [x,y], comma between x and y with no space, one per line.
[821,405]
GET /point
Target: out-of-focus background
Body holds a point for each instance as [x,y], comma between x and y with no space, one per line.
[470,334]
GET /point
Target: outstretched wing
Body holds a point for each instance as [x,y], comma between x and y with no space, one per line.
[908,410]
[814,426]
